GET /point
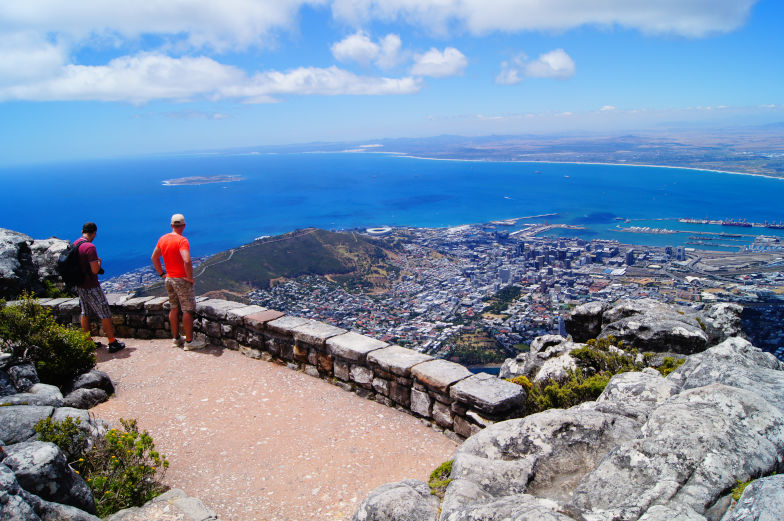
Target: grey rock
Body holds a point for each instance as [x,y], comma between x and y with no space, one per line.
[6,385]
[722,321]
[518,507]
[665,513]
[762,500]
[737,363]
[17,422]
[658,332]
[93,379]
[408,500]
[38,394]
[85,398]
[23,376]
[585,321]
[174,505]
[18,271]
[41,469]
[634,394]
[524,363]
[488,394]
[45,253]
[545,454]
[693,448]
[51,511]
[13,505]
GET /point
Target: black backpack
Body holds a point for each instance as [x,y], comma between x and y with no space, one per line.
[68,265]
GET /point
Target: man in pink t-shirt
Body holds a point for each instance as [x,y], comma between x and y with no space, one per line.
[176,253]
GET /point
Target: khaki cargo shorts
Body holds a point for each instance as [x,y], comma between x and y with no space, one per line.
[181,294]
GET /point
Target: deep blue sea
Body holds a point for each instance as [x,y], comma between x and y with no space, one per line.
[280,193]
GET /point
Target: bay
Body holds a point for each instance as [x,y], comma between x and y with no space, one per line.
[284,192]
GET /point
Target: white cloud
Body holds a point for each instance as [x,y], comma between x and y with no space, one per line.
[146,77]
[228,24]
[690,18]
[28,56]
[607,108]
[437,64]
[360,48]
[554,64]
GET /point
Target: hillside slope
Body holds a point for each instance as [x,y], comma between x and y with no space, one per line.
[346,257]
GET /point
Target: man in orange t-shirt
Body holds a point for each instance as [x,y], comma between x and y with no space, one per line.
[176,253]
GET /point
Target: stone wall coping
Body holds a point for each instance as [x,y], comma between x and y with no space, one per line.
[137,302]
[316,333]
[257,321]
[488,393]
[116,299]
[201,299]
[217,307]
[396,359]
[244,311]
[353,346]
[71,304]
[53,303]
[286,324]
[156,303]
[440,374]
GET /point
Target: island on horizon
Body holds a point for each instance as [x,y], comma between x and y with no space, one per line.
[202,180]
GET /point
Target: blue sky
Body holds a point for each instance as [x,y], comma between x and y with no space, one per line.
[97,78]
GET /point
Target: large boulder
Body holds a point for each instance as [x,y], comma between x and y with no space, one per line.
[547,358]
[762,500]
[13,505]
[41,468]
[51,511]
[45,253]
[85,398]
[544,454]
[93,379]
[408,500]
[18,271]
[722,321]
[23,376]
[585,321]
[17,422]
[38,394]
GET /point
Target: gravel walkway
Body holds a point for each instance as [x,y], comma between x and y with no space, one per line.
[256,441]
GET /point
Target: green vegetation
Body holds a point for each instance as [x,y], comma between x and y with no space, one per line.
[122,468]
[550,394]
[440,479]
[737,491]
[353,260]
[474,348]
[29,332]
[52,291]
[669,365]
[66,434]
[502,298]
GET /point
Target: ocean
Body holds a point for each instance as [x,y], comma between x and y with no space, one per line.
[283,192]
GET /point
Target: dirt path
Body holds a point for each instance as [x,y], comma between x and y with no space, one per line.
[256,441]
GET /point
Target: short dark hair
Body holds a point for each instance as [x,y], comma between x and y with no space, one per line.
[89,227]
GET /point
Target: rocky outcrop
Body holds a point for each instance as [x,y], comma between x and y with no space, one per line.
[650,448]
[173,505]
[405,501]
[650,325]
[25,263]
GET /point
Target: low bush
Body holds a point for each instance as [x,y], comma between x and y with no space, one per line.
[669,364]
[122,468]
[59,353]
[440,479]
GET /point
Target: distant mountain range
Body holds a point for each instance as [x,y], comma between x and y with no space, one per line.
[345,257]
[751,149]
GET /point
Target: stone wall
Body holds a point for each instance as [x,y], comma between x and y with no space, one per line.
[445,394]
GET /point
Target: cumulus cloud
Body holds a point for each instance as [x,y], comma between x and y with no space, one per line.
[146,77]
[607,108]
[690,18]
[438,64]
[554,64]
[27,56]
[360,48]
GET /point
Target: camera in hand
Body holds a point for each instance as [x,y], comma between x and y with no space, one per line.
[100,271]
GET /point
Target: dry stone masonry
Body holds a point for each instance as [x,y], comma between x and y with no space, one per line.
[445,394]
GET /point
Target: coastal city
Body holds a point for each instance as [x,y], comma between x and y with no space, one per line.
[478,293]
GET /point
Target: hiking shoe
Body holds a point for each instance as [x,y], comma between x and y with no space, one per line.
[98,345]
[178,342]
[196,343]
[116,346]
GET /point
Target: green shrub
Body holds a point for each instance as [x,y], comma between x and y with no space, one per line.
[122,468]
[737,491]
[669,364]
[66,434]
[440,479]
[59,353]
